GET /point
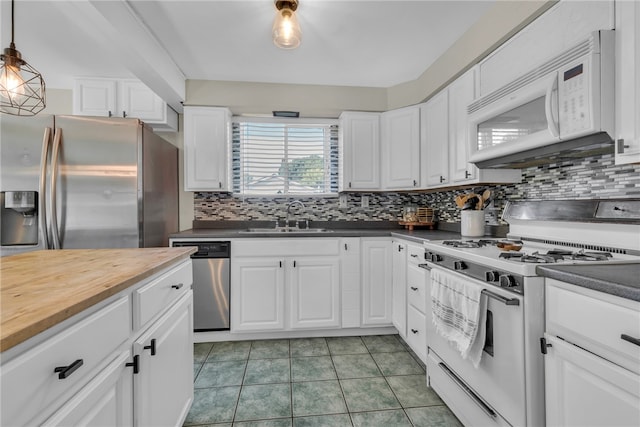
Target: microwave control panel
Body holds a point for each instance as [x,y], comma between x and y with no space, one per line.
[574,99]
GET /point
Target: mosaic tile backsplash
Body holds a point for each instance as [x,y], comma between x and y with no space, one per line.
[589,178]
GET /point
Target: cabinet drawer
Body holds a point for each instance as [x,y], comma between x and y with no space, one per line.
[160,293]
[415,254]
[30,384]
[416,277]
[417,332]
[594,321]
[286,247]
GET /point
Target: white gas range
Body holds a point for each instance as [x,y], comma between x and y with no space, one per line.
[508,386]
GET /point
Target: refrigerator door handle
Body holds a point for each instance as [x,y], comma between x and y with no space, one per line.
[42,205]
[55,236]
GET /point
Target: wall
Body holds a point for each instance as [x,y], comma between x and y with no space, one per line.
[58,101]
[592,177]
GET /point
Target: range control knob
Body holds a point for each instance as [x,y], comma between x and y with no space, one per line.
[491,276]
[436,257]
[459,265]
[507,281]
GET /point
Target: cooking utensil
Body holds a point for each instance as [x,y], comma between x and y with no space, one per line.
[460,199]
[471,200]
[509,246]
[487,197]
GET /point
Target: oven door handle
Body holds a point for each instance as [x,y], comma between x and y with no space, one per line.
[485,408]
[504,300]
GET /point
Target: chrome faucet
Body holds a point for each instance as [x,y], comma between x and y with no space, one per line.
[295,202]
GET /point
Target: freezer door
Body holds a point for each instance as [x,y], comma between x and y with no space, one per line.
[21,144]
[97,182]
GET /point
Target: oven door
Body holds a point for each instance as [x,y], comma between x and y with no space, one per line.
[523,120]
[499,380]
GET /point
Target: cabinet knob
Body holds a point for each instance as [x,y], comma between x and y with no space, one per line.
[345,246]
[124,114]
[135,364]
[415,331]
[415,182]
[349,184]
[110,113]
[442,178]
[630,339]
[151,347]
[467,174]
[178,286]
[413,288]
[64,371]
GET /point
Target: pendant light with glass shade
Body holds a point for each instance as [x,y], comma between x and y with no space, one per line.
[286,30]
[22,89]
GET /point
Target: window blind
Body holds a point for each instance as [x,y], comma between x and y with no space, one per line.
[276,158]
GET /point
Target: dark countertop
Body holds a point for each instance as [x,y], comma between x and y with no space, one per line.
[621,280]
[237,229]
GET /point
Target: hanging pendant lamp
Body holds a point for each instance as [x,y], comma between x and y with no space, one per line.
[22,90]
[286,30]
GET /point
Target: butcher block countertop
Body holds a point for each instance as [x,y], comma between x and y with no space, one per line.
[41,289]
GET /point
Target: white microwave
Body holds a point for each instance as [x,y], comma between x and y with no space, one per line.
[564,106]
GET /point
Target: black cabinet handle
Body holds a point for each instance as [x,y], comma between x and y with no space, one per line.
[280,264]
[345,246]
[64,371]
[630,339]
[414,255]
[178,286]
[544,345]
[413,288]
[415,331]
[151,346]
[135,364]
[294,263]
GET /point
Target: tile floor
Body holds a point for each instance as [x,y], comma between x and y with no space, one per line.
[363,381]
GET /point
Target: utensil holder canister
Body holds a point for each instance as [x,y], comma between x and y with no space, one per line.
[472,223]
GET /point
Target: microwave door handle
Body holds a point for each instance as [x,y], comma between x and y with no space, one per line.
[550,112]
[42,205]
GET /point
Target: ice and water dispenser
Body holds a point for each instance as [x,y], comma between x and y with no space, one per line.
[19,217]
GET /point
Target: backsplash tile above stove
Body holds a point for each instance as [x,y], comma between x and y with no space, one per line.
[588,178]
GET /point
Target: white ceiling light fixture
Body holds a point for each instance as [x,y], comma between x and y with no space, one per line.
[22,90]
[286,30]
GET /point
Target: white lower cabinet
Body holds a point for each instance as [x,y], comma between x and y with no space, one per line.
[592,362]
[105,401]
[100,370]
[257,294]
[376,282]
[314,292]
[296,287]
[350,281]
[584,389]
[163,387]
[399,297]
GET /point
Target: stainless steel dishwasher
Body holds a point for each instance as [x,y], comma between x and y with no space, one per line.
[210,285]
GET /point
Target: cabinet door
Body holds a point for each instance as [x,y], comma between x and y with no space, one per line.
[376,283]
[207,139]
[95,97]
[435,140]
[401,149]
[350,281]
[163,387]
[257,294]
[360,151]
[399,305]
[583,389]
[314,292]
[106,401]
[461,93]
[137,100]
[627,82]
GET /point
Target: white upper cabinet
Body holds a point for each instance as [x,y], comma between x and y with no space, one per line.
[401,149]
[207,142]
[461,94]
[559,28]
[627,82]
[435,140]
[122,98]
[359,151]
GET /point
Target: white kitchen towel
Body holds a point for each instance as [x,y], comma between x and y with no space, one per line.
[459,312]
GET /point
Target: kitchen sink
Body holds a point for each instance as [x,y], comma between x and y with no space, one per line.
[285,230]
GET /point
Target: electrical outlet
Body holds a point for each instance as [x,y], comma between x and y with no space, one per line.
[364,202]
[342,201]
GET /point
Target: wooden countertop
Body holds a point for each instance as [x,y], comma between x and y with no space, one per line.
[42,288]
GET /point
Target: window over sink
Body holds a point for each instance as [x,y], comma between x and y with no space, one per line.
[293,157]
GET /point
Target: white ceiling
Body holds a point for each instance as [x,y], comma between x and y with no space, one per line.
[349,42]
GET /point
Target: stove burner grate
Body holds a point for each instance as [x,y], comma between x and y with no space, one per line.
[556,255]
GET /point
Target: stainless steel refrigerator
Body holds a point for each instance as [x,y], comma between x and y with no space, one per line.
[85,182]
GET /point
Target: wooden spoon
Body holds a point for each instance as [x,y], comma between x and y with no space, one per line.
[460,200]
